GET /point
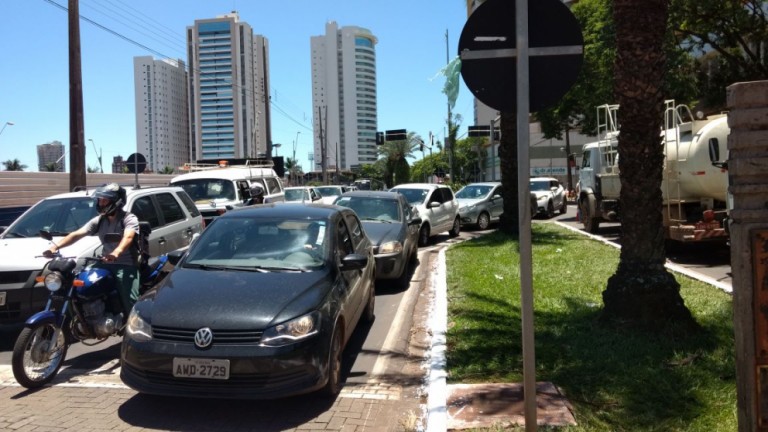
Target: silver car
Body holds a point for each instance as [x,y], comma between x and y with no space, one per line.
[480,204]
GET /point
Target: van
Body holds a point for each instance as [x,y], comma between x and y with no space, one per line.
[216,188]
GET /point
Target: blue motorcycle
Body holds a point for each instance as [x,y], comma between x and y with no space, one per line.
[83,306]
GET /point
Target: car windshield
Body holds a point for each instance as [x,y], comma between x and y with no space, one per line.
[539,186]
[261,244]
[329,190]
[58,216]
[414,196]
[371,208]
[296,195]
[473,192]
[208,189]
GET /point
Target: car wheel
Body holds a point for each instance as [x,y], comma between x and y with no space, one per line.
[483,221]
[550,210]
[333,386]
[456,229]
[564,207]
[424,235]
[369,314]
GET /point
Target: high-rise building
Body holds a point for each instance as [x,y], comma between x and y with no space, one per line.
[344,97]
[51,153]
[162,112]
[229,90]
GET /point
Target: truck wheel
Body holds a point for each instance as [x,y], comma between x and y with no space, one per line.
[587,211]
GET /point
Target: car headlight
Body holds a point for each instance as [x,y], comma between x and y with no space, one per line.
[53,281]
[292,331]
[137,328]
[391,247]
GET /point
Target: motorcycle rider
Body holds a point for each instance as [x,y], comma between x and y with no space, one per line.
[122,258]
[257,195]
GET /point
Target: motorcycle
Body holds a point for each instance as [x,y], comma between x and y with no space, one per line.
[83,306]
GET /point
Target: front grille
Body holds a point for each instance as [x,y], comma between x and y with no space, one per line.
[220,337]
[15,277]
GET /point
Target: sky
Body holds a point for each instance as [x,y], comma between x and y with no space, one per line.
[34,73]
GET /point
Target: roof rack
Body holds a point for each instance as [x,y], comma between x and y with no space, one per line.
[227,163]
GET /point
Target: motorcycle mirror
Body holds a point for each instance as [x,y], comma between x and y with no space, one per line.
[46,235]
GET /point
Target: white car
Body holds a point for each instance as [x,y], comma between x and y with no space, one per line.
[173,216]
[437,207]
[550,196]
[302,194]
[331,192]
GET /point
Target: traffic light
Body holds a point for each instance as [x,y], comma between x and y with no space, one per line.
[396,135]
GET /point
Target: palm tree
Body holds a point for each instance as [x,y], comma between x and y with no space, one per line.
[167,170]
[14,165]
[642,292]
[293,168]
[50,167]
[394,154]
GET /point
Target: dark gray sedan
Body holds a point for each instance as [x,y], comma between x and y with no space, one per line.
[261,306]
[391,226]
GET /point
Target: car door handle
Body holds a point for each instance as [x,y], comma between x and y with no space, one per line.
[161,240]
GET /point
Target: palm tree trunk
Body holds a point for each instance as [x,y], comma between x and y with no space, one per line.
[509,221]
[641,292]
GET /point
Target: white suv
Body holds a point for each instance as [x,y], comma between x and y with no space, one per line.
[435,205]
[169,210]
[550,195]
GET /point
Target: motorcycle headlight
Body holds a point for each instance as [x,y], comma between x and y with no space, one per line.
[391,247]
[137,328]
[292,331]
[53,281]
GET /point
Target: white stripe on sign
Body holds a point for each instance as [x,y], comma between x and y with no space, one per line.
[512,52]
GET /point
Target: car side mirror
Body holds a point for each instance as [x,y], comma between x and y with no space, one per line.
[354,262]
[46,235]
[175,256]
[433,204]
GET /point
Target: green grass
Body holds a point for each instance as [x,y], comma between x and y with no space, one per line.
[616,379]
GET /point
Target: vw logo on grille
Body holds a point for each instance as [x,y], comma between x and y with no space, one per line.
[203,337]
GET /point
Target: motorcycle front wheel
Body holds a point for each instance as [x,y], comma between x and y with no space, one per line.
[38,355]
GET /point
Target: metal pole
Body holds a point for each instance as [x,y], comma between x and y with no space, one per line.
[524,214]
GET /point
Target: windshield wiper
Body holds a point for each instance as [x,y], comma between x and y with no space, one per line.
[280,269]
[15,235]
[59,233]
[206,266]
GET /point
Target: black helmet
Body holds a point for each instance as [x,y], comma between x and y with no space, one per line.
[257,190]
[112,192]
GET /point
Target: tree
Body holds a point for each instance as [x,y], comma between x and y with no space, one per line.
[423,169]
[14,165]
[50,167]
[641,292]
[294,170]
[90,170]
[394,154]
[734,29]
[509,222]
[167,170]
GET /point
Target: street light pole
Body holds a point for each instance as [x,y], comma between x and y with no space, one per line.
[293,168]
[6,124]
[98,155]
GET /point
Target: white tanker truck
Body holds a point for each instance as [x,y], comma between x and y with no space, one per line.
[694,182]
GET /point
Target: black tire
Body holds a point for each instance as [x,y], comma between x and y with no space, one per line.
[369,314]
[550,210]
[483,221]
[564,207]
[587,206]
[333,386]
[424,235]
[456,228]
[31,353]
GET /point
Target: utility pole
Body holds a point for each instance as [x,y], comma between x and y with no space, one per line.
[323,158]
[448,141]
[338,173]
[76,123]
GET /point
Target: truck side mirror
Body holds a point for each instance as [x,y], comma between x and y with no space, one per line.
[714,154]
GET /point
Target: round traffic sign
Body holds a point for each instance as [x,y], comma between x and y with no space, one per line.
[136,163]
[487,47]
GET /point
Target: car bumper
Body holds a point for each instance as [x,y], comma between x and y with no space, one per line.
[390,266]
[21,302]
[256,372]
[468,217]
